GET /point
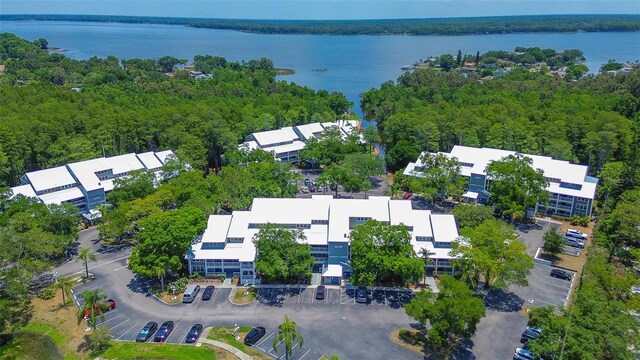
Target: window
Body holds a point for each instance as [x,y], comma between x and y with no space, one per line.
[466,164]
[424,238]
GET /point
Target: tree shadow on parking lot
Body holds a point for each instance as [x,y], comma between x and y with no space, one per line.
[271,297]
[525,228]
[503,301]
[464,351]
[139,284]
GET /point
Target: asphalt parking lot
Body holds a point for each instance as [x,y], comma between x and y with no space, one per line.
[292,296]
[499,332]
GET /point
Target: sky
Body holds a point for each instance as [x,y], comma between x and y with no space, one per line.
[320,9]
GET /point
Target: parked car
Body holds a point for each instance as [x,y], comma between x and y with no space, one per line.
[102,306]
[194,333]
[333,187]
[533,328]
[147,332]
[307,182]
[362,295]
[312,188]
[163,333]
[523,354]
[320,292]
[576,234]
[304,189]
[319,188]
[574,242]
[208,292]
[407,195]
[561,274]
[528,334]
[254,335]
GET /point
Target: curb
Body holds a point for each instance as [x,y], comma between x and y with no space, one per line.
[233,293]
[160,300]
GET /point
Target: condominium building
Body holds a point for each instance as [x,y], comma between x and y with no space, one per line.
[227,247]
[285,143]
[572,189]
[86,183]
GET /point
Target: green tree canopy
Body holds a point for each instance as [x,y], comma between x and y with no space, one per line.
[452,314]
[282,256]
[493,250]
[440,176]
[516,185]
[472,215]
[135,186]
[166,237]
[383,254]
[553,241]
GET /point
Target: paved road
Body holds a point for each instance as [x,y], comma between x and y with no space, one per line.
[104,254]
[338,326]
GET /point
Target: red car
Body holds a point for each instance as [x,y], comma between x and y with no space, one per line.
[101,306]
[407,195]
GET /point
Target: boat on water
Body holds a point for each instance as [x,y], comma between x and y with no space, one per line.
[407,67]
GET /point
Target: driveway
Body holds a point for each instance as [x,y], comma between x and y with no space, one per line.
[336,326]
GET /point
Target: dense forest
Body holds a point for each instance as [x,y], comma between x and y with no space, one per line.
[55,110]
[591,121]
[449,26]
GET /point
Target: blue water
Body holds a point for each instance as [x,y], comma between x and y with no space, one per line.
[354,63]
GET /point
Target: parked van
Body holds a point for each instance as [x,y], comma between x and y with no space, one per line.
[190,293]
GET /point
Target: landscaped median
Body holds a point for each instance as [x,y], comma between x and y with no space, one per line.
[243,295]
[132,350]
[226,335]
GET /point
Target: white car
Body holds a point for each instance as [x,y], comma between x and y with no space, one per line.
[304,189]
[523,354]
[576,234]
[574,242]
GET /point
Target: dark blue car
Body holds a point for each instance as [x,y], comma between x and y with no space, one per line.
[164,331]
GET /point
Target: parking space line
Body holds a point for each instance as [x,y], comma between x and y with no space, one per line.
[278,344]
[134,325]
[213,298]
[548,303]
[285,352]
[170,335]
[305,354]
[184,337]
[106,321]
[265,339]
[113,327]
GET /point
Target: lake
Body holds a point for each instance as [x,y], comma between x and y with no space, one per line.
[353,64]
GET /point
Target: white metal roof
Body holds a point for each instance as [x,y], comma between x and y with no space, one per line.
[50,178]
[309,131]
[375,208]
[480,158]
[149,160]
[266,138]
[85,171]
[61,196]
[470,195]
[444,228]
[124,163]
[333,270]
[324,208]
[24,190]
[281,149]
[163,155]
[289,211]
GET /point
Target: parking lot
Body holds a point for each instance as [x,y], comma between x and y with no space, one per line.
[124,323]
[265,344]
[287,296]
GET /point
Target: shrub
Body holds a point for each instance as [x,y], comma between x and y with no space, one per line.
[47,294]
[180,284]
[579,220]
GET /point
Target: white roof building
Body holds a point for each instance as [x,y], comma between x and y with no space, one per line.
[565,179]
[72,182]
[285,143]
[324,221]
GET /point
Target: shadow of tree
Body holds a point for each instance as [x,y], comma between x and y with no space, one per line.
[503,301]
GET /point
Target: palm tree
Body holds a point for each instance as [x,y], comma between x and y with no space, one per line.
[425,254]
[92,306]
[64,284]
[85,256]
[161,271]
[287,332]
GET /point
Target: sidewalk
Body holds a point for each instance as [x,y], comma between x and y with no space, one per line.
[229,348]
